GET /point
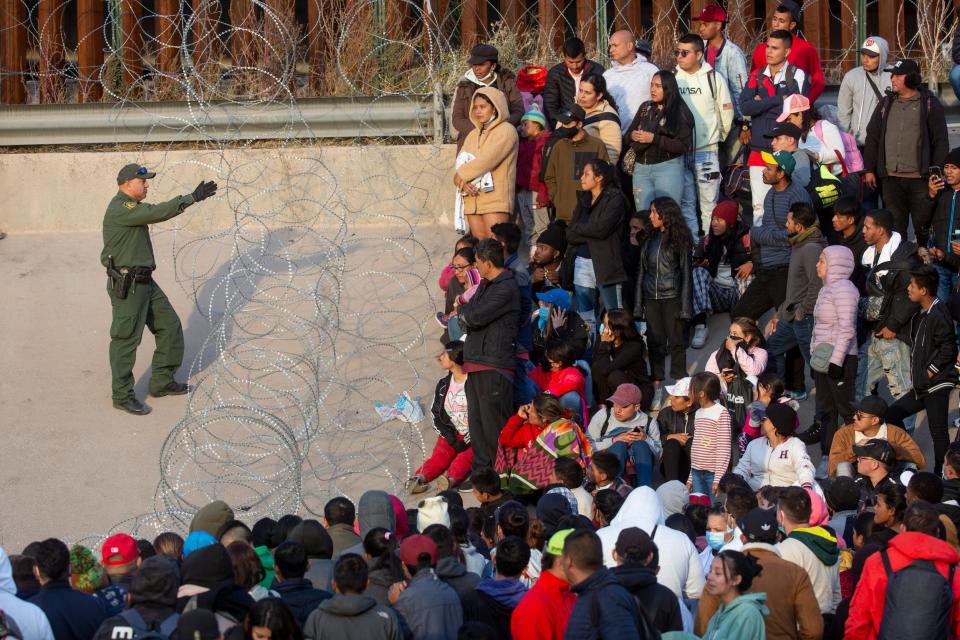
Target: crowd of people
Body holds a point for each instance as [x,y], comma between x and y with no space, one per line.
[610,213]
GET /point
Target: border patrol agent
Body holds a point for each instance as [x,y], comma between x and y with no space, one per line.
[136,299]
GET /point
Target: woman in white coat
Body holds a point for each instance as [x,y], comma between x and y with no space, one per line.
[779,459]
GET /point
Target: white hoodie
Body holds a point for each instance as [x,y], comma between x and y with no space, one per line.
[680,569]
[787,465]
[708,97]
[30,618]
[629,84]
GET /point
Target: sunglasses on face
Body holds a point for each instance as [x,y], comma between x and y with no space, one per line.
[681,53]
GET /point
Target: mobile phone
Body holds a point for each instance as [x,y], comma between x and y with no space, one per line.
[936,172]
[638,429]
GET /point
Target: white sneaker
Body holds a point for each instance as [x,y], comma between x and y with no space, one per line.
[700,333]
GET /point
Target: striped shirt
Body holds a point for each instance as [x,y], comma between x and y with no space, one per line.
[711,440]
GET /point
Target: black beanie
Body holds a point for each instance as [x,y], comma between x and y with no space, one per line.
[554,236]
[882,218]
[783,417]
[953,157]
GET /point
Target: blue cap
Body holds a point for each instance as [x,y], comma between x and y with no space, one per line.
[557,297]
[197,540]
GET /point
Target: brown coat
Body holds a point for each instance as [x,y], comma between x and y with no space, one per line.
[495,146]
[564,166]
[794,611]
[842,448]
[462,120]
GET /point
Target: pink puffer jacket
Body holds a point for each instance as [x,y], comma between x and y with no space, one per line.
[835,315]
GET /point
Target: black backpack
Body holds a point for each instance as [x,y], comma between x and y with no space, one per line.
[917,602]
[142,630]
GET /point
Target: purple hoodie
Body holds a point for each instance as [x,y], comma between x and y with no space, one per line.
[835,315]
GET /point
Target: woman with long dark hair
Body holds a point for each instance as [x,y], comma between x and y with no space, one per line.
[664,295]
[594,243]
[271,619]
[603,121]
[620,357]
[659,136]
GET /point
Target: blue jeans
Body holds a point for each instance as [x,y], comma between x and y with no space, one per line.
[701,184]
[955,80]
[588,299]
[642,458]
[888,359]
[454,332]
[790,334]
[948,281]
[655,180]
[702,482]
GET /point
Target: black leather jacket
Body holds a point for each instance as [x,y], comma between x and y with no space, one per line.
[664,273]
[492,322]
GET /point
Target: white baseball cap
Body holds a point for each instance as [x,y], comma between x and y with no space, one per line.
[679,388]
[870,47]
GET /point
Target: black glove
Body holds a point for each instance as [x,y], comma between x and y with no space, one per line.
[835,371]
[460,445]
[204,190]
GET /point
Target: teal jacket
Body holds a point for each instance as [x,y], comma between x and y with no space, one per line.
[742,619]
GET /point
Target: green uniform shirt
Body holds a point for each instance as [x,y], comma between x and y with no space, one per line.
[125,233]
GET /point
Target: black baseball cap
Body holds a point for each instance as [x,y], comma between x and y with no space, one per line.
[878,449]
[571,114]
[873,405]
[843,494]
[785,129]
[759,525]
[903,67]
[483,53]
[132,171]
[198,624]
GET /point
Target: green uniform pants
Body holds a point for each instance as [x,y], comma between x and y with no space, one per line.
[145,304]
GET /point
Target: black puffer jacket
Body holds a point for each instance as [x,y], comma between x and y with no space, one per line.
[668,142]
[492,322]
[664,273]
[600,229]
[896,310]
[560,91]
[933,350]
[671,422]
[441,419]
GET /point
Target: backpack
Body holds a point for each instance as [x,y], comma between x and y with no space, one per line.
[917,602]
[142,630]
[851,160]
[646,628]
[824,187]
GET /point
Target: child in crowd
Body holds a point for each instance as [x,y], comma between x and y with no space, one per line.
[710,454]
[604,473]
[570,474]
[621,428]
[532,194]
[485,484]
[769,388]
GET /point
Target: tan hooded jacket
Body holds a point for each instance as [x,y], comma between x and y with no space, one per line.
[495,148]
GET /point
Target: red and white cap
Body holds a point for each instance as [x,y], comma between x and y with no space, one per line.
[121,548]
[795,103]
[870,47]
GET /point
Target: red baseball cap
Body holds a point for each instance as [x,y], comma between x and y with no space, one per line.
[712,13]
[122,545]
[413,546]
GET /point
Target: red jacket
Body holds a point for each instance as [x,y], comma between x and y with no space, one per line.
[803,55]
[866,608]
[529,159]
[543,613]
[518,433]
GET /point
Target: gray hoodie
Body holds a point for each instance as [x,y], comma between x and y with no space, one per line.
[352,617]
[857,101]
[30,619]
[374,510]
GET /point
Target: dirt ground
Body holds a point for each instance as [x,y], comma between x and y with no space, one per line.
[71,466]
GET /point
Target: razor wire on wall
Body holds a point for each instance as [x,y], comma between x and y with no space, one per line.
[146,50]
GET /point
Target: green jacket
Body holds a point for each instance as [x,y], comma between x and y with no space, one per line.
[125,233]
[742,619]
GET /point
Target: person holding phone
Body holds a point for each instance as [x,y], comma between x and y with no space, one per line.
[741,349]
[622,428]
[943,191]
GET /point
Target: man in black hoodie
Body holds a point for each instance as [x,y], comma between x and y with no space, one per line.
[933,354]
[637,559]
[908,115]
[290,564]
[152,599]
[848,232]
[491,320]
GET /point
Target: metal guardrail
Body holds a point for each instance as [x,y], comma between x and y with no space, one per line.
[387,117]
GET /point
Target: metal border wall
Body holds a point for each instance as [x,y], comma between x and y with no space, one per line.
[344,118]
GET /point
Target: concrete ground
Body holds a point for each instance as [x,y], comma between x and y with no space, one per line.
[74,467]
